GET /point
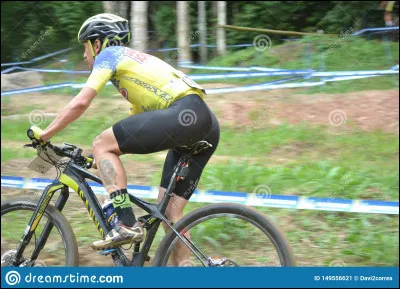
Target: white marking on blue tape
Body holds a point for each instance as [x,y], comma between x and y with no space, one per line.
[140,191]
[13,182]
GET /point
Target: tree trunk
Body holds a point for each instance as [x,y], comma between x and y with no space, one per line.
[221,41]
[108,6]
[184,41]
[139,25]
[123,9]
[202,24]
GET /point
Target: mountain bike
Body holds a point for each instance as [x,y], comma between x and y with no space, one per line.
[215,235]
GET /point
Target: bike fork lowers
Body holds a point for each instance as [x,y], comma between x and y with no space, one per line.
[37,216]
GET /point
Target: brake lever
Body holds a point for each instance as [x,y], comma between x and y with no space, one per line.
[31,145]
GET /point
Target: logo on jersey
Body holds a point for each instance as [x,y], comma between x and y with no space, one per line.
[162,94]
[124,93]
[138,56]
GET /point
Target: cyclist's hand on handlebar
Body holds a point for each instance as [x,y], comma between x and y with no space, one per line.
[34,133]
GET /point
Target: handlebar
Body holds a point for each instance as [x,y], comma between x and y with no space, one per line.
[68,150]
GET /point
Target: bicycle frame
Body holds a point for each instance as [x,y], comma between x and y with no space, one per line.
[74,177]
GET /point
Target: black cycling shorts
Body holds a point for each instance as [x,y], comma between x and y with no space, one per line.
[185,122]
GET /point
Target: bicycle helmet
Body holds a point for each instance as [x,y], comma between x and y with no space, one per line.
[112,29]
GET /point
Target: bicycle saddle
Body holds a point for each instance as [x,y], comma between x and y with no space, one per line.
[195,148]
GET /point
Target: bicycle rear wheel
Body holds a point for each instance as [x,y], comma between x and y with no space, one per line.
[61,248]
[226,235]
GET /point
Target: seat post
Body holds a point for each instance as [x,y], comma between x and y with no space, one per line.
[172,184]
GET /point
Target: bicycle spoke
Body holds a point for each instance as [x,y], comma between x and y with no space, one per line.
[225,240]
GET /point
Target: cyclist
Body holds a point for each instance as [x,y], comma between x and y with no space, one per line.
[388,6]
[167,111]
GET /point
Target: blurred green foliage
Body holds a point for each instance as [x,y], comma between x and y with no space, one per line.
[22,22]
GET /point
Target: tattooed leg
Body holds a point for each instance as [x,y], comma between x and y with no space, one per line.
[106,154]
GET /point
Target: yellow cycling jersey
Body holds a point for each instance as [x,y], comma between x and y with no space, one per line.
[146,81]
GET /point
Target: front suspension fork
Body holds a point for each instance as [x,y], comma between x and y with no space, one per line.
[35,220]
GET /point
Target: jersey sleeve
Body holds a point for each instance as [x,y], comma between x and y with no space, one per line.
[103,69]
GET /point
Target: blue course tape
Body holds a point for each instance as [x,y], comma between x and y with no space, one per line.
[354,73]
[37,88]
[331,76]
[46,87]
[381,29]
[248,75]
[277,201]
[37,58]
[8,69]
[48,70]
[274,84]
[263,87]
[195,66]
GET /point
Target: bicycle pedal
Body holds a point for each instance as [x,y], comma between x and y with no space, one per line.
[107,251]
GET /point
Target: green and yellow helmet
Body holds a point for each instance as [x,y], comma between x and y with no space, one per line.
[112,29]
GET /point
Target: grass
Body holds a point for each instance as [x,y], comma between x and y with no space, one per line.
[322,161]
[300,159]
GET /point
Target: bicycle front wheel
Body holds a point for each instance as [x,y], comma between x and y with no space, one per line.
[225,235]
[60,249]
